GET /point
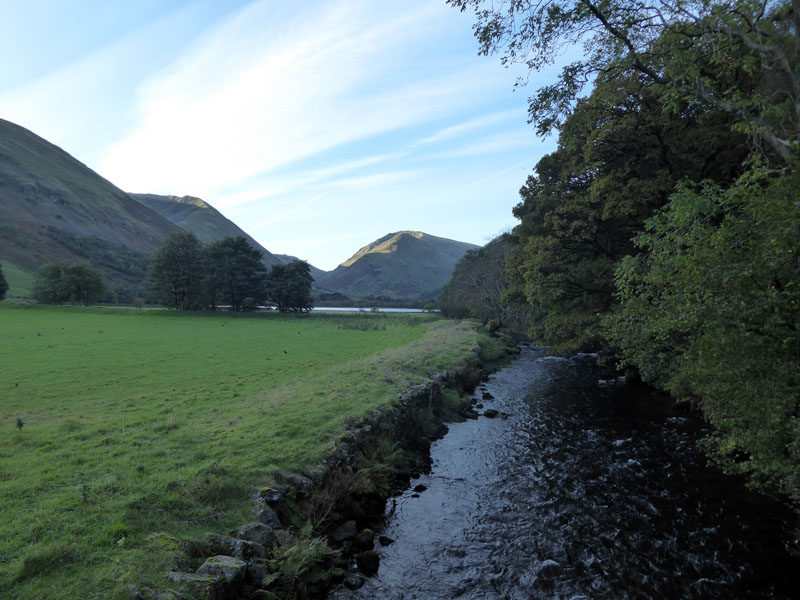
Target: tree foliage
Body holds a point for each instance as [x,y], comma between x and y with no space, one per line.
[188,275]
[176,271]
[290,286]
[666,224]
[235,275]
[56,283]
[618,159]
[686,47]
[3,284]
[478,288]
[710,311]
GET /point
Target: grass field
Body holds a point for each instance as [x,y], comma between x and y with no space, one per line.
[118,423]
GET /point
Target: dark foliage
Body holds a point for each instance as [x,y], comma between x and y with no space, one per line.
[290,286]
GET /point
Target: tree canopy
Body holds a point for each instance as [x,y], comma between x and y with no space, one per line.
[56,283]
[176,271]
[187,275]
[665,227]
[290,286]
[3,284]
[683,46]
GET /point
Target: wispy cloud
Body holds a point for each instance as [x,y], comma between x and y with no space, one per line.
[252,96]
[501,142]
[472,125]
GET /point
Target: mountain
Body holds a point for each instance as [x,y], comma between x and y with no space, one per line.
[207,223]
[202,219]
[406,265]
[53,207]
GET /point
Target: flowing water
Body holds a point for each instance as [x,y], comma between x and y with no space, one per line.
[583,487]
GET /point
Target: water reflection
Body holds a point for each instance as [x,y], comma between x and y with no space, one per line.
[586,490]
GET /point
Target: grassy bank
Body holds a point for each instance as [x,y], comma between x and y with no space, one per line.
[119,423]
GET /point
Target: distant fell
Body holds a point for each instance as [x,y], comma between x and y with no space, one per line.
[405,265]
[53,207]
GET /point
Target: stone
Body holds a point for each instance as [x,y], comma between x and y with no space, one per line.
[301,484]
[226,570]
[491,413]
[368,562]
[385,541]
[487,396]
[272,494]
[345,531]
[420,488]
[268,516]
[146,593]
[353,581]
[549,569]
[235,547]
[365,540]
[259,533]
[203,587]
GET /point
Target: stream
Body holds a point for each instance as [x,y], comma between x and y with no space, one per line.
[583,487]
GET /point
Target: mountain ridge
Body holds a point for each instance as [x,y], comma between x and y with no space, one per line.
[389,267]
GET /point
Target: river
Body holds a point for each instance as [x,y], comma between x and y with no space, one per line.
[588,488]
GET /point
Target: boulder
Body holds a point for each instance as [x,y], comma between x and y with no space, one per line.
[353,581]
[202,587]
[345,531]
[491,413]
[365,540]
[267,515]
[230,546]
[225,569]
[259,533]
[549,569]
[487,396]
[368,562]
[146,593]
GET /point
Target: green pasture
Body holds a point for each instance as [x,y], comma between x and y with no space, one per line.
[119,423]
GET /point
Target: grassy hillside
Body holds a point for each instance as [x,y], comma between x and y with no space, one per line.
[405,265]
[202,219]
[117,423]
[53,207]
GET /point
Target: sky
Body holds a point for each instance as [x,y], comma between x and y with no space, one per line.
[316,126]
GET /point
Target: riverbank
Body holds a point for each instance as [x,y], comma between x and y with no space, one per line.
[126,433]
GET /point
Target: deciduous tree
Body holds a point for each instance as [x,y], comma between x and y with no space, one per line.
[689,48]
[3,284]
[290,286]
[235,274]
[176,272]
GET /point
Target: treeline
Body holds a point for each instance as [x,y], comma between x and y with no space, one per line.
[79,283]
[188,275]
[665,228]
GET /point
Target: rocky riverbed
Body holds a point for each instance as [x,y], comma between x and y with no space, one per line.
[574,485]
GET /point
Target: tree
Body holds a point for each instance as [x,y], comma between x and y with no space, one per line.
[290,286]
[176,271]
[48,286]
[235,274]
[478,288]
[3,284]
[82,283]
[710,311]
[681,46]
[618,160]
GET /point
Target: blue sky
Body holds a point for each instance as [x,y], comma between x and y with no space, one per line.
[316,126]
